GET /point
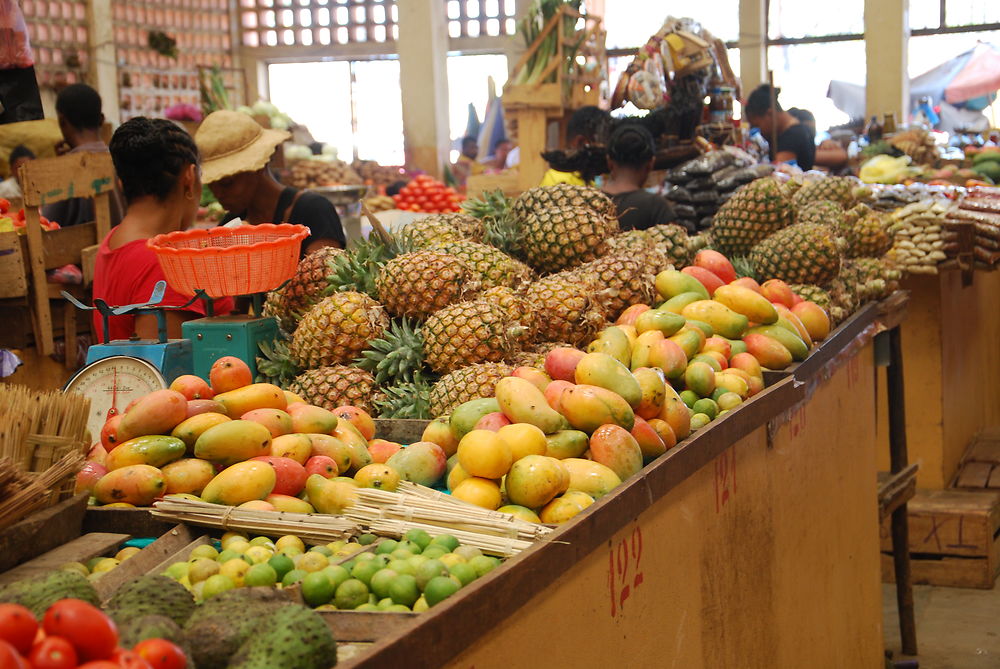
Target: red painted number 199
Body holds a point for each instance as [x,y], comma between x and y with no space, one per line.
[624,573]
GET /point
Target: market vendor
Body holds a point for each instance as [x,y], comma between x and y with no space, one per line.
[235,151]
[467,165]
[587,127]
[630,159]
[791,139]
[10,188]
[157,164]
[829,153]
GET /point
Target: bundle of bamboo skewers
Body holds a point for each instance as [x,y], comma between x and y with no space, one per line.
[21,493]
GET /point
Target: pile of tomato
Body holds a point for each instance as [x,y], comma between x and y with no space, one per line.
[428,195]
[76,635]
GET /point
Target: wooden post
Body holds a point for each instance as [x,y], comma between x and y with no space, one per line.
[39,283]
[887,33]
[753,44]
[103,75]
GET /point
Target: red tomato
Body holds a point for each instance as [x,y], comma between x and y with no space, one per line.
[18,627]
[4,205]
[129,659]
[100,664]
[161,654]
[53,652]
[93,634]
[10,658]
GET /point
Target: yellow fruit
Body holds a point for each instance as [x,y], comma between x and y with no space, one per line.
[312,561]
[590,477]
[381,477]
[482,453]
[521,512]
[235,569]
[534,480]
[560,510]
[481,492]
[240,483]
[456,476]
[202,568]
[289,540]
[329,496]
[523,439]
[105,565]
[229,537]
[126,553]
[258,554]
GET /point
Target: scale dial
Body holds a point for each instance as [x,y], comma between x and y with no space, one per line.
[111,384]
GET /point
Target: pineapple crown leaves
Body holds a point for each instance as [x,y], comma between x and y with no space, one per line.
[397,356]
[275,364]
[405,400]
[356,269]
[744,267]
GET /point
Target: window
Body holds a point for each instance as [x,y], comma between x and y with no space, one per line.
[803,73]
[321,22]
[481,18]
[795,19]
[468,82]
[378,110]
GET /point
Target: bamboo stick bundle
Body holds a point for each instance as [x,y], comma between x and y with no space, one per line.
[487,543]
[23,493]
[39,428]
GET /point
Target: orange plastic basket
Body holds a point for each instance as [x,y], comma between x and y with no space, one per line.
[229,261]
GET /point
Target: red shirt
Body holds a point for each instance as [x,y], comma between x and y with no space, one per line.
[126,275]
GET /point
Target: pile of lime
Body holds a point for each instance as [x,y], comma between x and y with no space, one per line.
[411,574]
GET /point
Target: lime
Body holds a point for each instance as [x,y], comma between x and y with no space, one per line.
[239,544]
[446,540]
[313,561]
[699,420]
[281,564]
[258,554]
[107,564]
[205,551]
[216,584]
[402,567]
[290,551]
[403,590]
[81,568]
[317,589]
[401,554]
[707,407]
[440,588]
[411,546]
[92,562]
[366,539]
[420,605]
[176,571]
[294,576]
[464,572]
[429,570]
[419,537]
[398,608]
[380,582]
[349,565]
[351,594]
[363,571]
[452,558]
[418,560]
[382,560]
[372,599]
[483,564]
[467,552]
[324,550]
[717,393]
[368,607]
[689,397]
[337,574]
[229,536]
[227,555]
[385,603]
[364,557]
[434,551]
[336,545]
[729,400]
[260,574]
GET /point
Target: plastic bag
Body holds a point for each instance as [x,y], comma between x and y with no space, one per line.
[15,50]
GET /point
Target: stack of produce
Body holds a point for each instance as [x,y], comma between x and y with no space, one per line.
[275,118]
[318,173]
[919,235]
[917,143]
[11,222]
[380,203]
[699,187]
[973,228]
[96,567]
[986,164]
[427,194]
[380,176]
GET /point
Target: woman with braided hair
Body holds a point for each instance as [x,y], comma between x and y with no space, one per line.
[157,165]
[630,159]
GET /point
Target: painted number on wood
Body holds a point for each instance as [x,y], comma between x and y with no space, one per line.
[57,194]
[624,570]
[797,424]
[725,479]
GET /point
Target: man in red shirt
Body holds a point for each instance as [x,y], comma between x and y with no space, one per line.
[157,164]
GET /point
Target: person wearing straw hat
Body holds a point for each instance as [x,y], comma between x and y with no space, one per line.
[235,151]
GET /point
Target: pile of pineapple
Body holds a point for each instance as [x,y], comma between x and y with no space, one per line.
[435,317]
[818,235]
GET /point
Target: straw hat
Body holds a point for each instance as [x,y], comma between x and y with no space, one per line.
[233,142]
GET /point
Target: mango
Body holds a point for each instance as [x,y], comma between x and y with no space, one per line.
[480,492]
[665,432]
[232,442]
[676,414]
[276,421]
[642,348]
[456,476]
[253,396]
[768,352]
[748,303]
[156,413]
[630,332]
[700,378]
[600,369]
[533,375]
[309,419]
[747,363]
[380,476]
[523,439]
[650,443]
[786,318]
[297,447]
[534,480]
[710,280]
[566,444]
[591,477]
[814,318]
[668,356]
[615,448]
[719,345]
[356,443]
[88,476]
[329,496]
[485,454]
[522,402]
[423,463]
[631,313]
[560,363]
[786,337]
[588,407]
[191,428]
[776,290]
[359,418]
[723,320]
[465,416]
[653,386]
[381,450]
[492,421]
[188,475]
[290,476]
[705,329]
[331,447]
[154,451]
[614,342]
[662,320]
[716,263]
[439,432]
[229,373]
[713,359]
[690,341]
[239,483]
[520,512]
[553,393]
[138,485]
[677,303]
[747,282]
[195,407]
[289,504]
[732,383]
[670,283]
[560,510]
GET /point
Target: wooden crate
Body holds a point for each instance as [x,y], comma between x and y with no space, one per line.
[81,549]
[41,531]
[980,468]
[954,539]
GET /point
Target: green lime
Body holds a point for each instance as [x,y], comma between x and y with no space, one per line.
[718,392]
[368,607]
[401,554]
[402,567]
[380,582]
[729,400]
[317,589]
[398,608]
[349,565]
[176,571]
[384,603]
[699,420]
[707,407]
[227,555]
[382,560]
[446,540]
[468,552]
[260,574]
[366,539]
[434,551]
[421,605]
[281,564]
[294,576]
[411,546]
[216,584]
[484,564]
[419,537]
[464,572]
[363,571]
[204,551]
[418,560]
[440,588]
[364,557]
[337,574]
[403,590]
[372,599]
[325,550]
[429,570]
[387,546]
[689,397]
[351,594]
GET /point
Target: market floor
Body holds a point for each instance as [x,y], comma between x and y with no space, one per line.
[957,628]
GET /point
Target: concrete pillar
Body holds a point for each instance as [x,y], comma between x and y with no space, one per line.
[103,75]
[887,33]
[423,78]
[753,44]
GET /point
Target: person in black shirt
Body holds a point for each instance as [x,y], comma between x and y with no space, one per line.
[795,140]
[630,159]
[235,151]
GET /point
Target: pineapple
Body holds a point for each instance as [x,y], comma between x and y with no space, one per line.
[568,306]
[467,333]
[527,359]
[870,278]
[335,386]
[820,297]
[493,266]
[468,383]
[357,269]
[309,284]
[637,244]
[517,310]
[801,253]
[755,211]
[405,400]
[823,212]
[557,239]
[426,233]
[488,206]
[676,240]
[417,284]
[337,330]
[274,307]
[397,357]
[562,196]
[469,226]
[274,364]
[625,280]
[836,189]
[868,236]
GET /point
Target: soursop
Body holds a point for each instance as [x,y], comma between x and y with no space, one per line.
[294,637]
[40,592]
[152,595]
[219,626]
